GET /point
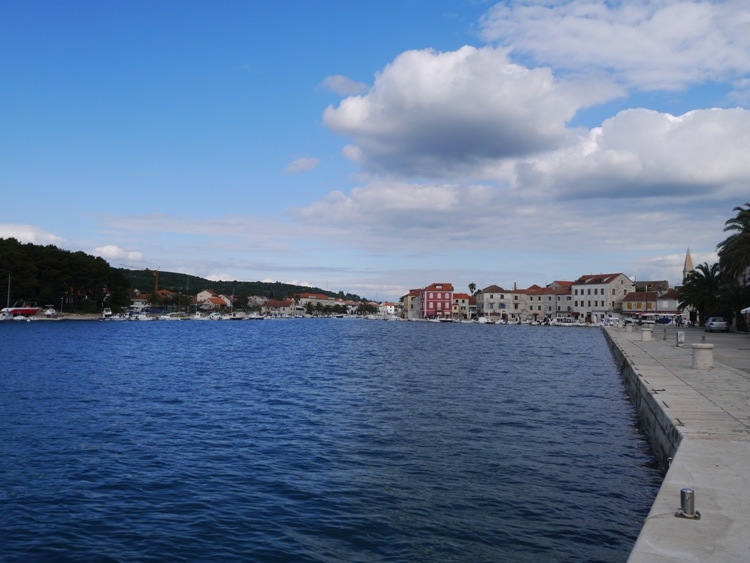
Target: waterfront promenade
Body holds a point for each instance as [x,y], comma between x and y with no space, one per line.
[700,418]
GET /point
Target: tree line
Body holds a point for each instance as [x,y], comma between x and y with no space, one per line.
[721,289]
[146,281]
[50,276]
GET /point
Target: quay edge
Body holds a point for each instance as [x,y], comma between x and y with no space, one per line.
[700,421]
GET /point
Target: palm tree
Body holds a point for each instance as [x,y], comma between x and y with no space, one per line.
[472,288]
[734,251]
[701,290]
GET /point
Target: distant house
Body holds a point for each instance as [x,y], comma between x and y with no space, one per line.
[655,303]
[461,306]
[436,301]
[387,309]
[409,305]
[214,304]
[599,295]
[279,307]
[315,299]
[493,302]
[139,302]
[205,295]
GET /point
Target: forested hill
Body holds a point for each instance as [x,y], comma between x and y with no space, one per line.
[80,282]
[145,281]
[48,275]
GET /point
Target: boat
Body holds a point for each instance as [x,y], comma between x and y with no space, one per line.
[143,317]
[21,309]
[255,317]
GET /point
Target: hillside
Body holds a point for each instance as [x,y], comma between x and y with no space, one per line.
[145,281]
[48,275]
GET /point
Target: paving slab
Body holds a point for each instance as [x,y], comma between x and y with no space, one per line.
[710,411]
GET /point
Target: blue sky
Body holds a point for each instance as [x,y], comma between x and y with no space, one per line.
[374,147]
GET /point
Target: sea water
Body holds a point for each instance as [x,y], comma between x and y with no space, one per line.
[316,440]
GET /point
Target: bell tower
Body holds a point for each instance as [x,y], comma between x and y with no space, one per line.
[688,267]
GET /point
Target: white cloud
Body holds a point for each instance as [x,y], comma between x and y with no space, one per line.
[455,114]
[343,86]
[397,215]
[302,165]
[111,252]
[646,154]
[664,44]
[28,233]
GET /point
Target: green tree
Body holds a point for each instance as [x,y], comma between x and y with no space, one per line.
[734,251]
[734,298]
[472,288]
[701,291]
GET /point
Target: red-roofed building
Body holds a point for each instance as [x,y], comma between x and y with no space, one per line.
[600,295]
[436,301]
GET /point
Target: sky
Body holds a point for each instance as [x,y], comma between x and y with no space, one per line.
[375,147]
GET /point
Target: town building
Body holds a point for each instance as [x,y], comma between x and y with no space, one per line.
[436,301]
[599,295]
[462,306]
[492,303]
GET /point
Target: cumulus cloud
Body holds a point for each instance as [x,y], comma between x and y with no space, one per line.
[432,114]
[111,252]
[28,233]
[646,154]
[302,165]
[390,210]
[343,86]
[395,217]
[665,44]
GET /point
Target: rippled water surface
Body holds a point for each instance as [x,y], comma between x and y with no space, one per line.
[316,440]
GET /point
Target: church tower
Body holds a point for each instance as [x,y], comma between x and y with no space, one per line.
[688,267]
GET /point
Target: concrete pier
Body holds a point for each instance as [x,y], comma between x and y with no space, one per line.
[698,422]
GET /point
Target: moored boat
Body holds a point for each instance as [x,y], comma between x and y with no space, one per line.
[21,309]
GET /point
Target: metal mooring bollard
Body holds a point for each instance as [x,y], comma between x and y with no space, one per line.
[687,505]
[665,334]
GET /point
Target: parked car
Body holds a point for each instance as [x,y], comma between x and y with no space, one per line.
[717,324]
